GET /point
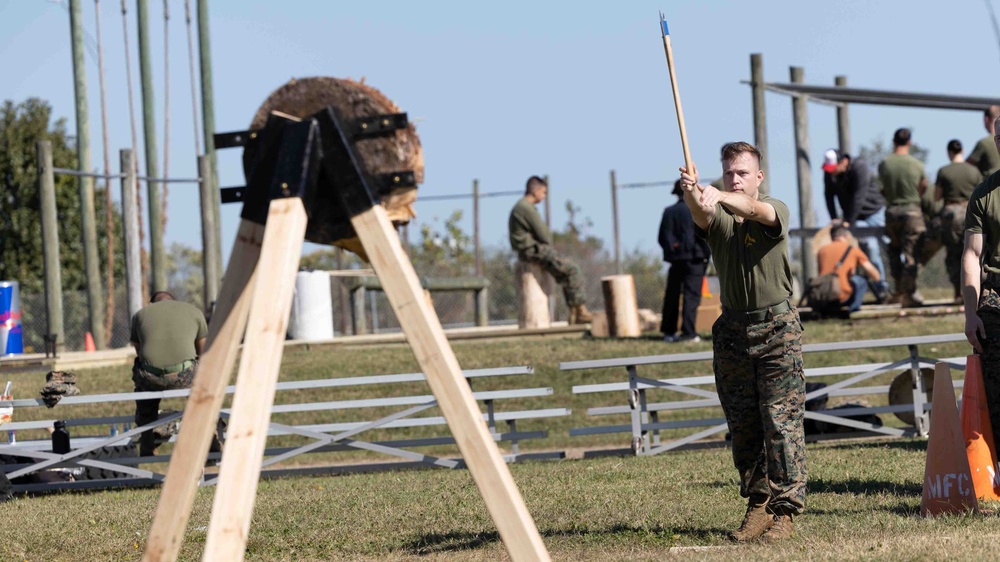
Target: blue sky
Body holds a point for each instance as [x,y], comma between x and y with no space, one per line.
[507,90]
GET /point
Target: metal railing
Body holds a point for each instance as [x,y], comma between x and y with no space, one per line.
[645,425]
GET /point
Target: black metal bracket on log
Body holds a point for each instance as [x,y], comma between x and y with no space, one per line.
[314,159]
[363,127]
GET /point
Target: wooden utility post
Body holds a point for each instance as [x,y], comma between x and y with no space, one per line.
[807,215]
[208,116]
[50,244]
[843,126]
[130,230]
[614,222]
[211,262]
[759,114]
[88,223]
[157,257]
[476,241]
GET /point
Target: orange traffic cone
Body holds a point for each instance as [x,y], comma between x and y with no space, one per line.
[705,292]
[88,343]
[979,444]
[947,478]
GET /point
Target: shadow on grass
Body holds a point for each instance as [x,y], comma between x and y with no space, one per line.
[863,487]
[900,509]
[915,445]
[436,543]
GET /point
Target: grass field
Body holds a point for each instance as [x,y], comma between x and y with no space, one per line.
[863,496]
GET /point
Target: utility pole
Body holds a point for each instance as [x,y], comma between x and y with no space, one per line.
[759,114]
[157,257]
[208,117]
[87,214]
[807,215]
[843,125]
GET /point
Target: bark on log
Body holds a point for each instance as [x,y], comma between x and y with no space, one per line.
[400,151]
[621,305]
[533,302]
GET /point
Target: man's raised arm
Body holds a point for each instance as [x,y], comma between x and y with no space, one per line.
[701,212]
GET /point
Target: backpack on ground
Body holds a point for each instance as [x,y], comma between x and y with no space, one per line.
[823,292]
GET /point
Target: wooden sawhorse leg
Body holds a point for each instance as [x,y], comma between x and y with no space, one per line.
[270,305]
[423,331]
[207,391]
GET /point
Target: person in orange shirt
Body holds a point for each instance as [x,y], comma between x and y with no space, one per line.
[852,286]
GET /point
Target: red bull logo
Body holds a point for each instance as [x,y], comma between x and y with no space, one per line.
[11,338]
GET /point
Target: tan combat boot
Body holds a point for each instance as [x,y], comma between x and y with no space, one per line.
[912,300]
[580,315]
[781,529]
[755,523]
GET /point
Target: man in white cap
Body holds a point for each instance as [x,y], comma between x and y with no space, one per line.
[849,182]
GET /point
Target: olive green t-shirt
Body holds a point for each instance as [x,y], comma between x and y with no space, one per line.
[751,258]
[900,175]
[166,332]
[986,156]
[983,217]
[957,181]
[526,227]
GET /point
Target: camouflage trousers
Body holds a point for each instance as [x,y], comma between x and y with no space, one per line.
[953,238]
[989,312]
[564,271]
[761,384]
[148,411]
[905,228]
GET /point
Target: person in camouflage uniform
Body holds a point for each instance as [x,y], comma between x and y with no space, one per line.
[757,341]
[981,286]
[531,239]
[903,185]
[954,185]
[168,337]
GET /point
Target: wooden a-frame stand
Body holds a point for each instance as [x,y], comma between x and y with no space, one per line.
[254,304]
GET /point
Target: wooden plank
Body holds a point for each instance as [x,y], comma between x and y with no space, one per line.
[438,362]
[202,411]
[270,305]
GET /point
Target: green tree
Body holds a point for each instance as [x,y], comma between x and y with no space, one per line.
[21,258]
[185,275]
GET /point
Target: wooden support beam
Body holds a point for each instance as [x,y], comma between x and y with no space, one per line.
[423,331]
[270,305]
[188,459]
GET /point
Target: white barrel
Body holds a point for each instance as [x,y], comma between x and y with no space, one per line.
[312,307]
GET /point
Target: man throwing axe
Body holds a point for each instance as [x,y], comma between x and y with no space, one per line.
[757,342]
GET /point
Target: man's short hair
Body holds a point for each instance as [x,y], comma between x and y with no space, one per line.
[901,137]
[733,149]
[839,230]
[534,182]
[954,146]
[992,112]
[161,296]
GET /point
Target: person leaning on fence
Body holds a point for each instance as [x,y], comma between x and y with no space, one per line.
[168,336]
[687,255]
[848,181]
[841,259]
[757,342]
[954,185]
[531,239]
[903,184]
[981,286]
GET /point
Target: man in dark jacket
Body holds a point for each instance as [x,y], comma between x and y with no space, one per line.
[849,182]
[688,258]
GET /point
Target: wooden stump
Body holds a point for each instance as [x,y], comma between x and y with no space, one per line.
[533,301]
[621,305]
